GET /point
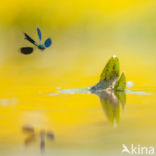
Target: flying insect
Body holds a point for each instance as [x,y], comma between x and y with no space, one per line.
[42,46]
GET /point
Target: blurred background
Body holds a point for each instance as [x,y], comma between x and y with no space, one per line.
[85,35]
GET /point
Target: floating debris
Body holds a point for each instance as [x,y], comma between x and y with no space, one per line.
[7,102]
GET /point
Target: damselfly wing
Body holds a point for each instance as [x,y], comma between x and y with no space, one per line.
[47,43]
[39,34]
[26,50]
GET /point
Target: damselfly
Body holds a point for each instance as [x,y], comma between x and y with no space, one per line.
[41,46]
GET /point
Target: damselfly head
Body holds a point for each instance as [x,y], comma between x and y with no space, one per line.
[41,47]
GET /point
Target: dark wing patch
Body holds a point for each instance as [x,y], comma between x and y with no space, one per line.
[26,50]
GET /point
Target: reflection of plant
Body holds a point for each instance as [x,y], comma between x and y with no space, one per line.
[32,135]
[110,101]
[110,90]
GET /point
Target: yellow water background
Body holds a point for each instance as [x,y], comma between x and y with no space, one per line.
[85,35]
